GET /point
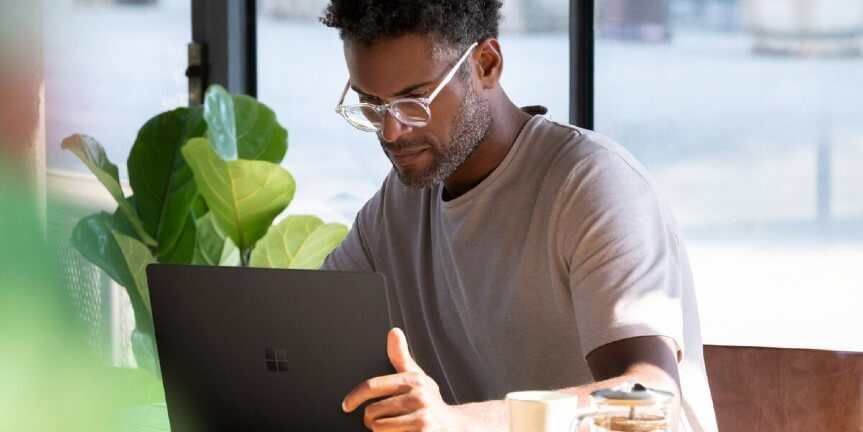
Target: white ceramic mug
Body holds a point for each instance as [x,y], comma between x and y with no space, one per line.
[541,411]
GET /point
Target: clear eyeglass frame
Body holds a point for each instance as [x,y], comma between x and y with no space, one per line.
[413,112]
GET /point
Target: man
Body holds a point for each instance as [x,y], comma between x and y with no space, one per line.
[518,253]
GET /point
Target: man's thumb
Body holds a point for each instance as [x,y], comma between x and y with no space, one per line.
[397,350]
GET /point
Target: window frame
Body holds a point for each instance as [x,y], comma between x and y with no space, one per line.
[224,47]
[581,63]
[226,33]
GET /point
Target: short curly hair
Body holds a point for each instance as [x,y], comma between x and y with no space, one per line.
[457,23]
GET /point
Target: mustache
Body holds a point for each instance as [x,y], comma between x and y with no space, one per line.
[403,143]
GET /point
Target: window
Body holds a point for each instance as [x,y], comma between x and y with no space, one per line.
[110,66]
[338,168]
[748,115]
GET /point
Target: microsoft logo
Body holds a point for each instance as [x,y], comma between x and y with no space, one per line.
[277,359]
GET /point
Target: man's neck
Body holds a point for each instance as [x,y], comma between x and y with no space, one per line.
[507,121]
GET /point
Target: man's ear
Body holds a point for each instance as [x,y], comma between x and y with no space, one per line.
[488,61]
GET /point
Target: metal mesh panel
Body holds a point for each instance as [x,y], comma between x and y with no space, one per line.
[124,323]
[89,287]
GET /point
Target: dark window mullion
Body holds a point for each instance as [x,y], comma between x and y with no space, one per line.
[226,32]
[581,62]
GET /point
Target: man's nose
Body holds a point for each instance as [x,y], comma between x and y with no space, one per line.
[392,129]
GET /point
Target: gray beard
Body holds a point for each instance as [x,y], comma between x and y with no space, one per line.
[470,126]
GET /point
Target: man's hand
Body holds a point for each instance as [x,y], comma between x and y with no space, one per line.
[412,399]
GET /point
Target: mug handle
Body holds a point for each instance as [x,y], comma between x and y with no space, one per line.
[583,414]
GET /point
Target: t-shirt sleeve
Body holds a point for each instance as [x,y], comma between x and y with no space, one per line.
[355,253]
[624,259]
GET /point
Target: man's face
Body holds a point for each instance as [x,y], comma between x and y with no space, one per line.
[406,67]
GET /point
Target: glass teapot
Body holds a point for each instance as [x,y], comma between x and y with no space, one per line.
[626,408]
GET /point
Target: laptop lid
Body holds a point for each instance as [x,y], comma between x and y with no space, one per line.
[265,349]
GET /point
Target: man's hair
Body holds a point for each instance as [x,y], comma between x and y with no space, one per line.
[455,23]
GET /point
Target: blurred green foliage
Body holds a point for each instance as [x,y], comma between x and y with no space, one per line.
[48,380]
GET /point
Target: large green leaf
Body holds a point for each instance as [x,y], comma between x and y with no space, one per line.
[184,247]
[146,356]
[212,246]
[143,346]
[93,155]
[259,135]
[199,208]
[242,127]
[121,222]
[243,195]
[298,242]
[163,184]
[137,257]
[221,123]
[93,237]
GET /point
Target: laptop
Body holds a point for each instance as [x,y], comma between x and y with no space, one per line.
[248,349]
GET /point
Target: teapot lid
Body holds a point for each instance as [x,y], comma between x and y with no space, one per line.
[632,394]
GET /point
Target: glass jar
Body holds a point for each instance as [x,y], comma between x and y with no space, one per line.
[627,408]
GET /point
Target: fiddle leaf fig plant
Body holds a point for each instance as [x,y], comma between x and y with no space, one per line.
[207,186]
[300,242]
[93,155]
[163,185]
[244,196]
[213,247]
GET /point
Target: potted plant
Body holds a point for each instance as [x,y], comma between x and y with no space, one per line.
[207,186]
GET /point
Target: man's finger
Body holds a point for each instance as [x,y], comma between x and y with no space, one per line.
[414,421]
[390,407]
[378,387]
[397,351]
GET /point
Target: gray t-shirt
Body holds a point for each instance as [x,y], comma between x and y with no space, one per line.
[566,246]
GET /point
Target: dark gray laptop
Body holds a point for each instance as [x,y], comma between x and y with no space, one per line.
[266,350]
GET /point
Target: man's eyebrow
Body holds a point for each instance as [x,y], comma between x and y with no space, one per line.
[362,93]
[403,91]
[411,88]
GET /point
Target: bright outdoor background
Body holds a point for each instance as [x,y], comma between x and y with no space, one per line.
[752,131]
[749,115]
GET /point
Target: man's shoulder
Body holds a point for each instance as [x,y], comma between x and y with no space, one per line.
[567,149]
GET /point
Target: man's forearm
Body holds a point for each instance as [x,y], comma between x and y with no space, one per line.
[494,416]
[485,416]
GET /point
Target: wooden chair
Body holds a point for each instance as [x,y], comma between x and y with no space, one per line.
[785,390]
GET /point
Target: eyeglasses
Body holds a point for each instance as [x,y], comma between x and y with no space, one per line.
[414,112]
